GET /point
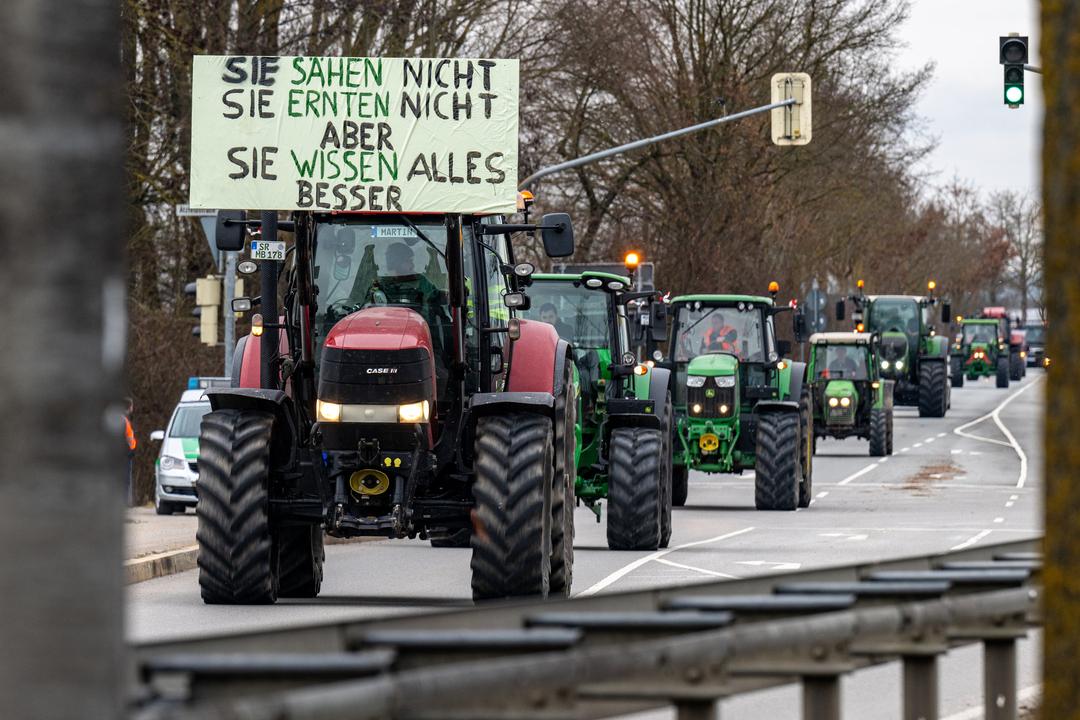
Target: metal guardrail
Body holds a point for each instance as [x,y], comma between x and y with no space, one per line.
[608,655]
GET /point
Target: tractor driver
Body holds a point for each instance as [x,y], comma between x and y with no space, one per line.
[550,314]
[719,337]
[841,364]
[402,285]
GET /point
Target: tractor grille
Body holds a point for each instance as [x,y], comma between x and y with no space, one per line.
[842,415]
[710,406]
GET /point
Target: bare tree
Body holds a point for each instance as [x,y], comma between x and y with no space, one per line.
[1020,218]
[62,310]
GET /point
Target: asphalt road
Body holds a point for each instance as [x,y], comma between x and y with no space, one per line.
[973,477]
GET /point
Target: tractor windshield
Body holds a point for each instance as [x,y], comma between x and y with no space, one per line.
[578,314]
[894,315]
[980,333]
[375,262]
[704,329]
[841,362]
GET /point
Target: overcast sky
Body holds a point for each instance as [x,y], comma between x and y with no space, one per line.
[979,138]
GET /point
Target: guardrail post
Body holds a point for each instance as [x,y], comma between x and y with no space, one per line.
[697,710]
[921,687]
[821,697]
[999,679]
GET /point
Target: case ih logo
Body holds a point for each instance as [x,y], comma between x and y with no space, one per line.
[381,371]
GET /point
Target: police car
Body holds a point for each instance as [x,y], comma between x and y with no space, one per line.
[176,470]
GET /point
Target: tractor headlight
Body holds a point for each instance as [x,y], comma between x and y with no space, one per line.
[845,401]
[696,409]
[169,463]
[695,381]
[414,412]
[833,402]
[899,364]
[327,411]
[723,409]
[725,381]
[884,364]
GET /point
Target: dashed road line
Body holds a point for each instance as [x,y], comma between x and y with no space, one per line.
[941,434]
[918,445]
[627,569]
[703,571]
[999,519]
[822,494]
[971,540]
[904,449]
[858,474]
[929,440]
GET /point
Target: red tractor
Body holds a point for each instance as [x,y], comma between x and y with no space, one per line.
[1012,329]
[395,395]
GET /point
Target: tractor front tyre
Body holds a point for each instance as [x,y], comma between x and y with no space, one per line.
[806,447]
[237,558]
[563,495]
[680,485]
[300,561]
[666,476]
[778,465]
[1003,372]
[634,489]
[957,375]
[879,433]
[1016,367]
[511,540]
[933,389]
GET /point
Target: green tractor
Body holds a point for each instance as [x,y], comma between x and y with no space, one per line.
[850,396]
[739,404]
[912,354]
[624,412]
[979,352]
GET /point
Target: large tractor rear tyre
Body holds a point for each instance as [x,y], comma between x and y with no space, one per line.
[879,433]
[957,374]
[666,475]
[806,447]
[680,485]
[1016,367]
[778,465]
[300,561]
[237,558]
[1003,372]
[634,489]
[511,543]
[933,390]
[563,496]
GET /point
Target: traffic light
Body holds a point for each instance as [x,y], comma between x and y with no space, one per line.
[207,292]
[1013,54]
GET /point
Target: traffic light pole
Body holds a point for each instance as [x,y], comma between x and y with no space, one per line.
[268,350]
[601,155]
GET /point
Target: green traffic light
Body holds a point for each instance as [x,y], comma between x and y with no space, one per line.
[1014,94]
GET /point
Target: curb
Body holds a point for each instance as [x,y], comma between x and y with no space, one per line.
[158,565]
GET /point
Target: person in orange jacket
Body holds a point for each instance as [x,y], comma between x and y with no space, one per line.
[720,337]
[132,443]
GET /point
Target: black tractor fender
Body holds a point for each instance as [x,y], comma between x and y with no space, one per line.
[659,386]
[285,438]
[798,376]
[498,403]
[776,406]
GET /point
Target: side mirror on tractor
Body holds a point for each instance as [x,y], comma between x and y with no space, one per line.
[799,322]
[783,347]
[946,313]
[558,234]
[841,310]
[229,236]
[658,320]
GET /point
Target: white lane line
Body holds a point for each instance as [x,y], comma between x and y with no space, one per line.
[883,460]
[999,519]
[942,434]
[1009,504]
[971,540]
[862,472]
[626,569]
[1014,497]
[995,414]
[976,713]
[703,571]
[929,440]
[904,449]
[917,445]
[857,537]
[823,493]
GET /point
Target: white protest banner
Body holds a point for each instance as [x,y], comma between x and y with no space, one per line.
[355,134]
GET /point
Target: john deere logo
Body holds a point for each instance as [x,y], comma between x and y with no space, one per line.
[710,393]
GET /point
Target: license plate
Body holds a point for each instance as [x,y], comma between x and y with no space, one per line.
[267,250]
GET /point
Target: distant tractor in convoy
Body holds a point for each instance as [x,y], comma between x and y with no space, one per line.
[851,399]
[913,355]
[980,351]
[401,398]
[624,417]
[1013,336]
[739,404]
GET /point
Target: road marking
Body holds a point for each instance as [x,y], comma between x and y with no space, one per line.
[999,519]
[929,440]
[942,434]
[883,460]
[904,449]
[917,445]
[995,415]
[862,472]
[857,537]
[977,713]
[971,540]
[823,493]
[957,451]
[626,569]
[703,571]
[774,565]
[1014,497]
[1009,504]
